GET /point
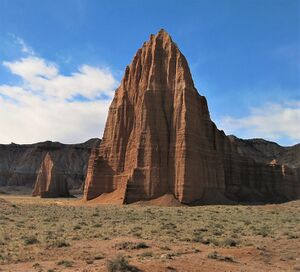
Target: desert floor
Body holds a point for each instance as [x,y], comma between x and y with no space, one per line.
[64,235]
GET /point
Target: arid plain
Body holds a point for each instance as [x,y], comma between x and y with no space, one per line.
[64,235]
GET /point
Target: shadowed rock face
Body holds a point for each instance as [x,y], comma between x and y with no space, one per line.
[159,139]
[50,181]
[266,151]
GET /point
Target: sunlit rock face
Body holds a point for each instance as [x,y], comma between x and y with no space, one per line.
[159,139]
[50,181]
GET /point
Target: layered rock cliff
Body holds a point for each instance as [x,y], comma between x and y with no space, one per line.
[51,180]
[265,151]
[159,139]
[19,164]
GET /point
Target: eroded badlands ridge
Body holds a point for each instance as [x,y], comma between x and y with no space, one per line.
[20,164]
[159,139]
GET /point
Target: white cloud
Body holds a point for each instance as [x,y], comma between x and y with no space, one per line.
[31,67]
[45,106]
[42,76]
[39,120]
[22,44]
[273,121]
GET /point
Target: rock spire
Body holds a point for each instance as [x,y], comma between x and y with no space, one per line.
[50,181]
[159,139]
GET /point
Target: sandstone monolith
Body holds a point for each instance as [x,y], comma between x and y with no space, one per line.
[159,139]
[50,181]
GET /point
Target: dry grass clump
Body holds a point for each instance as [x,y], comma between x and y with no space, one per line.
[131,245]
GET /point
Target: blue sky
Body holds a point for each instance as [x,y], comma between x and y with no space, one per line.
[244,57]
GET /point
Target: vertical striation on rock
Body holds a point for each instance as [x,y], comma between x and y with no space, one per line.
[50,181]
[159,139]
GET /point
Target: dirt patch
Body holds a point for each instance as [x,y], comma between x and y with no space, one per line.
[4,203]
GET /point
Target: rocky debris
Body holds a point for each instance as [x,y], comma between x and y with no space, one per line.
[19,164]
[159,139]
[50,181]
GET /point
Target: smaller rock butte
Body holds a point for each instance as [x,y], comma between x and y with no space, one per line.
[159,139]
[50,181]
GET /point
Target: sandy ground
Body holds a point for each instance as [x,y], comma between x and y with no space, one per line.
[183,257]
[264,254]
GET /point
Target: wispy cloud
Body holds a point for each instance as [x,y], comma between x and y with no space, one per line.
[25,48]
[45,105]
[273,121]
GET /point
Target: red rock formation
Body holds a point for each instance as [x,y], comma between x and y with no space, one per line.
[50,181]
[159,139]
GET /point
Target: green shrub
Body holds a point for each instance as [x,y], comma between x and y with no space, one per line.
[215,256]
[120,264]
[60,243]
[77,227]
[30,240]
[229,242]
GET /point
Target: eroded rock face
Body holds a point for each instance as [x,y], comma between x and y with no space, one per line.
[266,151]
[159,139]
[50,181]
[19,164]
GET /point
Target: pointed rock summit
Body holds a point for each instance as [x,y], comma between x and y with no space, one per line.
[50,181]
[159,139]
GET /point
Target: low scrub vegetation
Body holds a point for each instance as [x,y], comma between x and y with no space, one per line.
[44,225]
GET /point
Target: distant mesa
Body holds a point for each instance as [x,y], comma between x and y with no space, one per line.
[50,181]
[159,140]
